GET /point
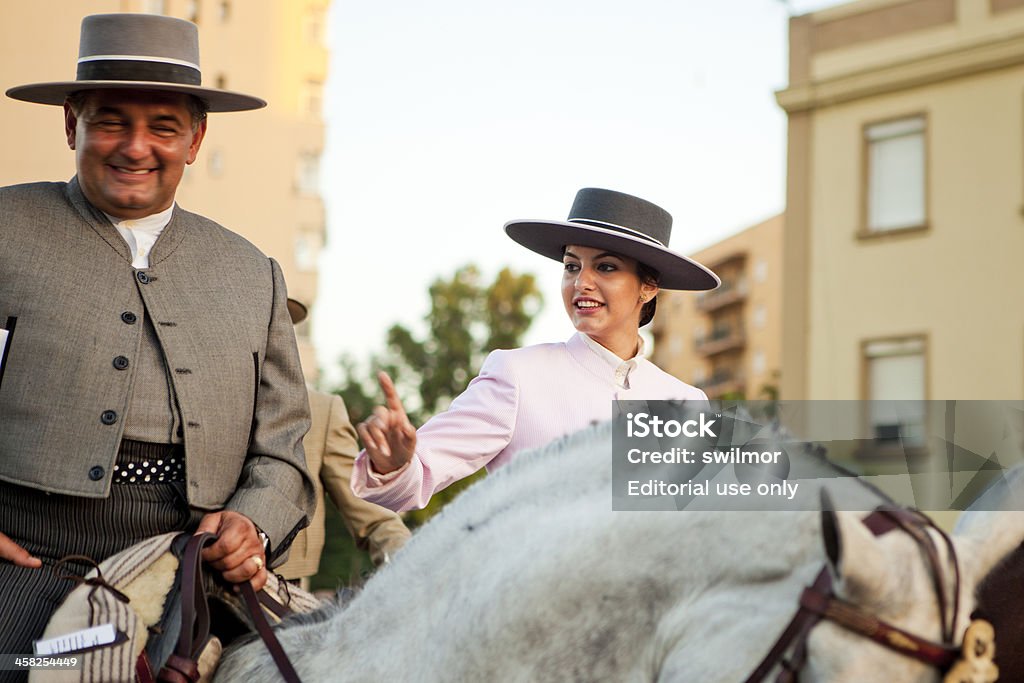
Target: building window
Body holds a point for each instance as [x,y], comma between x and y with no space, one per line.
[757,364]
[153,7]
[221,82]
[307,250]
[192,11]
[316,26]
[217,163]
[760,316]
[699,332]
[307,179]
[895,386]
[224,11]
[896,175]
[312,98]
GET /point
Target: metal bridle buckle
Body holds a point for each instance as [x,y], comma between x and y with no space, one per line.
[975,664]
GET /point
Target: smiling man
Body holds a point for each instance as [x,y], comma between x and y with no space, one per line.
[149,378]
[131,147]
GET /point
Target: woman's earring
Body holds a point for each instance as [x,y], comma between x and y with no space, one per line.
[643,299]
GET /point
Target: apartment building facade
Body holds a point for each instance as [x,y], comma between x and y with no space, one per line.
[728,341]
[257,173]
[904,226]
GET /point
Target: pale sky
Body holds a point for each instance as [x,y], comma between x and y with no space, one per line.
[446,119]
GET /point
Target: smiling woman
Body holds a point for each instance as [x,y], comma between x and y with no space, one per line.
[604,295]
[615,258]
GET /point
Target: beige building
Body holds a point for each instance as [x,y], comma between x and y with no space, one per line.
[728,341]
[257,173]
[904,233]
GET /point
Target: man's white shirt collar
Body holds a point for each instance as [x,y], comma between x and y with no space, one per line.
[142,233]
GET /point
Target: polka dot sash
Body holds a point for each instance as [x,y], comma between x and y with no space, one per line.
[146,463]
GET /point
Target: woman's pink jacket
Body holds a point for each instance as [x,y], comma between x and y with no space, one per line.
[522,399]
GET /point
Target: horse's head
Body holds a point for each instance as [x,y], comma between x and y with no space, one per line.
[907,581]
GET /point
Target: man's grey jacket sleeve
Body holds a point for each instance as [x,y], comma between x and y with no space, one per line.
[275,490]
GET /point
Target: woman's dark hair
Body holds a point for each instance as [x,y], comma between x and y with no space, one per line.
[648,276]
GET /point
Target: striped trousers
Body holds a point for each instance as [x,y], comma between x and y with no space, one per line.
[51,526]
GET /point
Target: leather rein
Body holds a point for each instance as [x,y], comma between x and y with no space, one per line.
[819,602]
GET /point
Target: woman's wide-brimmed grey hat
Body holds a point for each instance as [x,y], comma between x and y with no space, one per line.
[618,222]
[137,52]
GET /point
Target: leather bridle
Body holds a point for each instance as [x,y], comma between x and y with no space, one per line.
[820,602]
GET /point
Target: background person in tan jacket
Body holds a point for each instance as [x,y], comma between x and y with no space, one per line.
[331,449]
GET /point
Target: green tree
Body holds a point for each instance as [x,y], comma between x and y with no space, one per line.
[467,319]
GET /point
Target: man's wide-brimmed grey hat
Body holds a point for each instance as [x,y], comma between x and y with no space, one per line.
[618,222]
[137,52]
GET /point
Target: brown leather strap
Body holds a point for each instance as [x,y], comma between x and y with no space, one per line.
[275,607]
[857,620]
[818,602]
[917,524]
[195,611]
[284,665]
[853,618]
[796,631]
[96,582]
[179,670]
[181,666]
[143,669]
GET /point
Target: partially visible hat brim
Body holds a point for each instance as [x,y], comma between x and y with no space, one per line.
[297,311]
[549,238]
[57,92]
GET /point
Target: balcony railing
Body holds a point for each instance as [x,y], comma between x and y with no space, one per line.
[721,340]
[724,382]
[727,294]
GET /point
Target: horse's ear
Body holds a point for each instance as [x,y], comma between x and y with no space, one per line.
[854,555]
[830,532]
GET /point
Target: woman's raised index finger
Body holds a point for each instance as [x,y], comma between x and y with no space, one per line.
[390,394]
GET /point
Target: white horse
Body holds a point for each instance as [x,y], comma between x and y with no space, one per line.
[530,576]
